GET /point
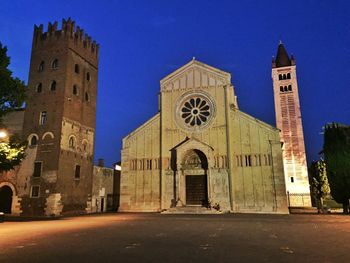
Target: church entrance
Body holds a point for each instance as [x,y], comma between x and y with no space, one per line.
[5,199]
[196,193]
[195,170]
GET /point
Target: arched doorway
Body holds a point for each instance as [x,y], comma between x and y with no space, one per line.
[5,199]
[195,169]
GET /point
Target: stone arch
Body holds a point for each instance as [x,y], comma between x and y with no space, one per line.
[7,193]
[33,139]
[48,134]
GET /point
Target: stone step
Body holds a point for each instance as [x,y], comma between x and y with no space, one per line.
[191,210]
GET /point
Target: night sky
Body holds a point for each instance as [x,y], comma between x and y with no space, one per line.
[143,41]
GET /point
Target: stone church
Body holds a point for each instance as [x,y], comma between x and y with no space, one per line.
[201,150]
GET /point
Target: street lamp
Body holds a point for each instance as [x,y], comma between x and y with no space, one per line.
[3,134]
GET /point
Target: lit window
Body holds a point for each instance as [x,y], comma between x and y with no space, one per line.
[53,85]
[39,88]
[43,118]
[77,172]
[35,191]
[75,90]
[41,66]
[76,68]
[54,64]
[88,77]
[37,169]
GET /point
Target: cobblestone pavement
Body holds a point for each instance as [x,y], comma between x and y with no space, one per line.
[149,237]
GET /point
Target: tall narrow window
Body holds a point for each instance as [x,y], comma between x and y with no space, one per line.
[76,68]
[35,191]
[41,66]
[87,97]
[288,75]
[88,77]
[71,142]
[75,90]
[281,88]
[280,77]
[54,64]
[43,118]
[39,88]
[289,87]
[53,85]
[37,169]
[77,172]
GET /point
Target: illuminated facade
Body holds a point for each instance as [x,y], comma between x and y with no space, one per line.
[201,151]
[289,121]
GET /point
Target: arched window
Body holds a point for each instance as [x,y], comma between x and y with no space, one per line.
[33,139]
[84,144]
[87,97]
[88,77]
[280,76]
[75,90]
[53,85]
[284,76]
[76,68]
[290,87]
[71,142]
[285,88]
[41,66]
[281,88]
[54,64]
[288,75]
[39,88]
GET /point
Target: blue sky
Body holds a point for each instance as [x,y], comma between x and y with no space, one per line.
[143,41]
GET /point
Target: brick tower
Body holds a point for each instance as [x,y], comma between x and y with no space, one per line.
[288,120]
[59,120]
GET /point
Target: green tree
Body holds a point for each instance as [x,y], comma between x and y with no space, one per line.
[12,97]
[319,182]
[336,151]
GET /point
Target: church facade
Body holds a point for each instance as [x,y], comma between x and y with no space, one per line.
[201,150]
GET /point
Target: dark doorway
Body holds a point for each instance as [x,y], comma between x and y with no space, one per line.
[196,190]
[102,204]
[5,199]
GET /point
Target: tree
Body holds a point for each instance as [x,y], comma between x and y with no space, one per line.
[319,182]
[336,150]
[12,97]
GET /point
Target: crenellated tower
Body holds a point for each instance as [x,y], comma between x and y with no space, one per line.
[60,118]
[288,120]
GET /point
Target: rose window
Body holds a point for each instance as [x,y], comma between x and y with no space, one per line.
[195,111]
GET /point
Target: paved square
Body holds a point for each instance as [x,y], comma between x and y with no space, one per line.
[178,238]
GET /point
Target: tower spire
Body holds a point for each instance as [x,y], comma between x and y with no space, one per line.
[282,57]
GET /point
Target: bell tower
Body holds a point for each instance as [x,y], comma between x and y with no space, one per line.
[59,121]
[289,122]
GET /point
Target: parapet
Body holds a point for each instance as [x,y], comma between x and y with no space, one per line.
[69,32]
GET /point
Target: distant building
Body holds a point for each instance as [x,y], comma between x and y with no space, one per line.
[105,188]
[200,150]
[289,121]
[59,124]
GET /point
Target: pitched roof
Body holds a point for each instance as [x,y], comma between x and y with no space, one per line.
[282,58]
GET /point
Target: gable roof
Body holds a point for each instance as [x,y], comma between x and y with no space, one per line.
[192,64]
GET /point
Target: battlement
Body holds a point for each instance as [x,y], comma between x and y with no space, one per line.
[69,32]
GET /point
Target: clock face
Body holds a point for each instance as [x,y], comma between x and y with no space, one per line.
[194,111]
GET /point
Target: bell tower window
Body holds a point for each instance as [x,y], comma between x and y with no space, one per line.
[76,68]
[53,85]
